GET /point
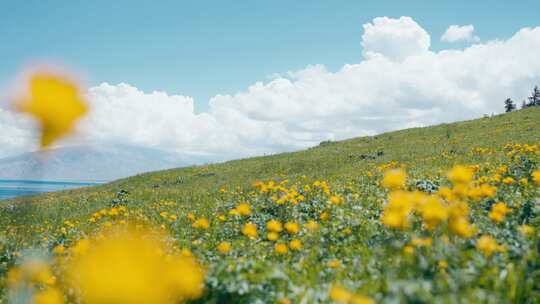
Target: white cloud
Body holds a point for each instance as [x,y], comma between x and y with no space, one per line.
[395,39]
[456,33]
[16,133]
[399,83]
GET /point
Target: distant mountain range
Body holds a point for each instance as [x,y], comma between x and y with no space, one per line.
[87,163]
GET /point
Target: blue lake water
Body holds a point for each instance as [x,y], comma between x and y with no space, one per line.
[13,188]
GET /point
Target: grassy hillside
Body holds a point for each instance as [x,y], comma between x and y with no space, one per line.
[335,189]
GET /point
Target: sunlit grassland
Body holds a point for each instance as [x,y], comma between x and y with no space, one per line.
[424,150]
[371,257]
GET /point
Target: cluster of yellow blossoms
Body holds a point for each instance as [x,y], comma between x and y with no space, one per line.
[344,296]
[119,266]
[280,193]
[448,204]
[487,245]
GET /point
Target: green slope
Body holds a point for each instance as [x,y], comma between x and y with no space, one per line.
[428,149]
[426,153]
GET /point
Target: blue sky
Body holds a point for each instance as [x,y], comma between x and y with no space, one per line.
[202,48]
[360,68]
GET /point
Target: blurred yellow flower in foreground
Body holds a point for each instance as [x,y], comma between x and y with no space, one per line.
[536,177]
[487,245]
[394,179]
[281,248]
[134,267]
[341,295]
[498,211]
[526,230]
[250,230]
[460,174]
[274,226]
[33,270]
[295,244]
[292,228]
[224,247]
[48,296]
[243,209]
[55,102]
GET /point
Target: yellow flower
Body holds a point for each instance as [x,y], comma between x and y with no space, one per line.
[502,169]
[243,209]
[335,263]
[336,200]
[281,248]
[250,230]
[460,191]
[536,177]
[48,296]
[460,174]
[487,245]
[360,299]
[461,227]
[408,249]
[33,270]
[498,211]
[311,225]
[508,180]
[443,264]
[201,223]
[274,226]
[458,209]
[488,190]
[272,236]
[433,212]
[186,279]
[474,193]
[59,249]
[394,179]
[14,277]
[295,244]
[526,230]
[339,294]
[422,242]
[128,266]
[114,212]
[324,216]
[224,247]
[292,228]
[397,210]
[56,103]
[446,193]
[81,247]
[186,253]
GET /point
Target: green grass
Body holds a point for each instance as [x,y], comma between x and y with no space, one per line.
[426,153]
[421,149]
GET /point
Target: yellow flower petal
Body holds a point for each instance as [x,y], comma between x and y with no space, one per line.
[56,103]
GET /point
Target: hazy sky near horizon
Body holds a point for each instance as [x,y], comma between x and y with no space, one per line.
[222,80]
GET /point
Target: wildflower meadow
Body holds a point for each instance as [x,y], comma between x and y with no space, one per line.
[444,214]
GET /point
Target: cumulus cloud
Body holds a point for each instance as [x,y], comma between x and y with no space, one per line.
[456,33]
[17,133]
[395,39]
[399,83]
